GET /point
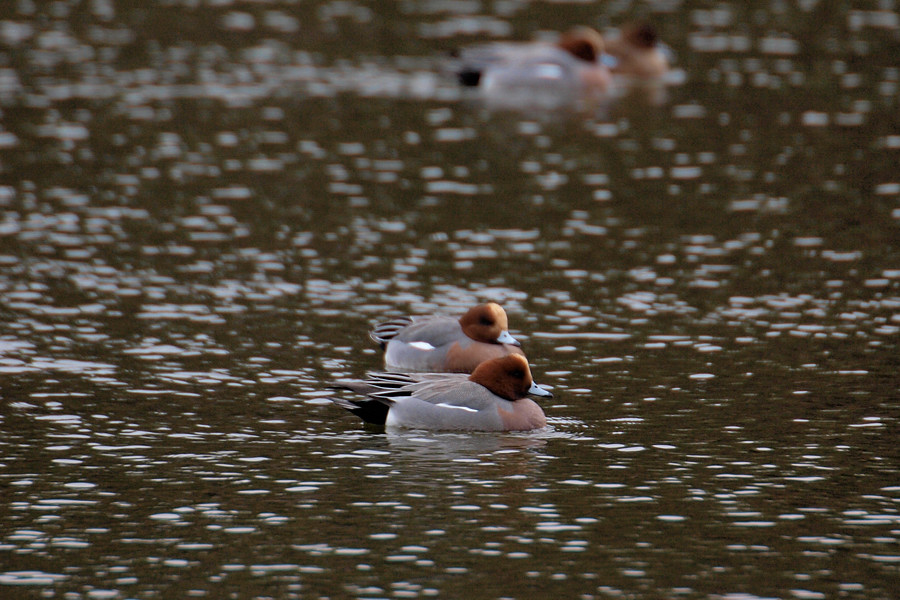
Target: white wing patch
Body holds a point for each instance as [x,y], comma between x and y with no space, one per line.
[422,346]
[465,408]
[549,71]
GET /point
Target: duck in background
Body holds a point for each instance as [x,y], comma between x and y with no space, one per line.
[493,398]
[538,73]
[638,52]
[436,343]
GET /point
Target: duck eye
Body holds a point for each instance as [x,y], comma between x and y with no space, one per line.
[486,321]
[517,373]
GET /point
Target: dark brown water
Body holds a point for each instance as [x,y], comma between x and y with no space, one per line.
[204,207]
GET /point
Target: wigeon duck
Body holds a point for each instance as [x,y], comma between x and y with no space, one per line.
[639,53]
[574,65]
[492,398]
[446,344]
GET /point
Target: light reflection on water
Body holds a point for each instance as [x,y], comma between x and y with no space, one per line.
[205,208]
[504,499]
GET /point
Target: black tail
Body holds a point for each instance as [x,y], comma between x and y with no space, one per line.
[370,411]
[469,77]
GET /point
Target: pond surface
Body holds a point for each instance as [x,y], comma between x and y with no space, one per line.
[204,206]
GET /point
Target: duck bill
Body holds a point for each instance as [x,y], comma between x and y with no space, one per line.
[609,61]
[506,338]
[536,390]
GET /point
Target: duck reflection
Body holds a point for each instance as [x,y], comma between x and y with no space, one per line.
[444,446]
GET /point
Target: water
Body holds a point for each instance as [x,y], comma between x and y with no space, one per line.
[205,207]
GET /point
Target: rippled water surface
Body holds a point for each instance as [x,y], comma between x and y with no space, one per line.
[205,205]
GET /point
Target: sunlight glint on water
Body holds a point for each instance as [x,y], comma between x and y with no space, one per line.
[203,209]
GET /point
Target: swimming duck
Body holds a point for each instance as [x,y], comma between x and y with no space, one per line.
[492,398]
[638,52]
[446,344]
[508,71]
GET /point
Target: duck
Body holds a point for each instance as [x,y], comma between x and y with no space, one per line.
[494,397]
[437,343]
[638,52]
[521,71]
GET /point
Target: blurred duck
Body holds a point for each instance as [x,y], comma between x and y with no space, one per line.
[574,64]
[639,53]
[446,344]
[492,398]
